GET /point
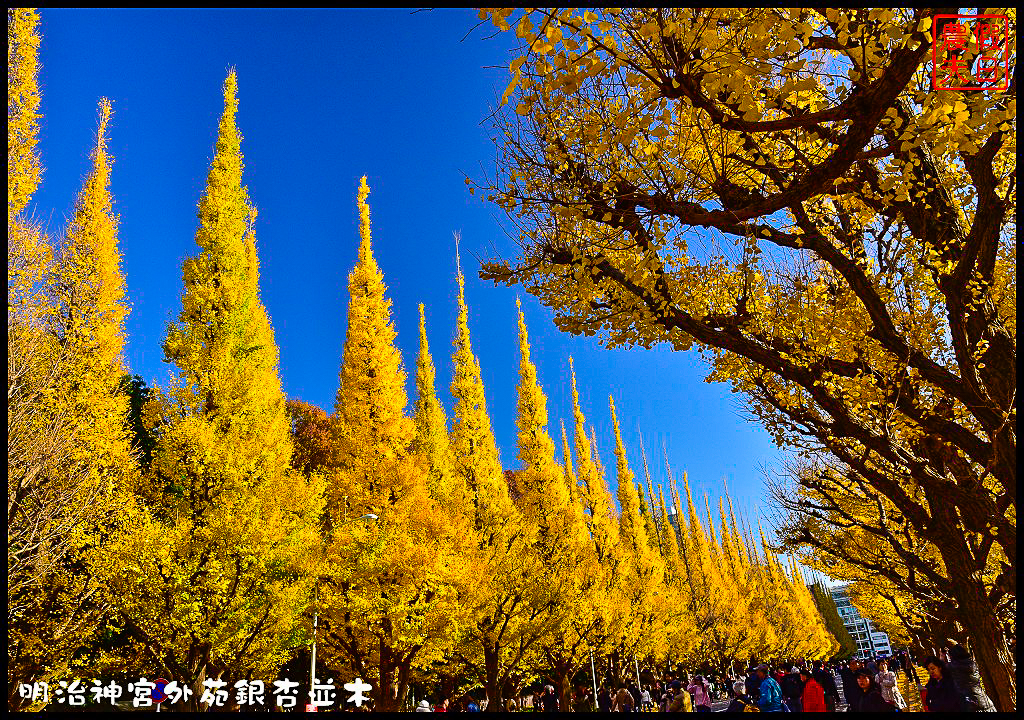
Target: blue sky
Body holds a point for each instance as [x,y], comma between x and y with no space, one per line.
[327,96]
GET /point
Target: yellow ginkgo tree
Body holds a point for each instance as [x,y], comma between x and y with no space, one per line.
[392,597]
[511,611]
[790,191]
[562,545]
[213,570]
[69,462]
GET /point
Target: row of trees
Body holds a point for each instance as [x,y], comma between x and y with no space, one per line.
[789,190]
[195,531]
[497,576]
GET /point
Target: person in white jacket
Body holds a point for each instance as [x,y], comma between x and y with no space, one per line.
[886,679]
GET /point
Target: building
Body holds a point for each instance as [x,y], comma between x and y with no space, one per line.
[870,642]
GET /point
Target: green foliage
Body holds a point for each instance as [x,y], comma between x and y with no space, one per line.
[827,608]
[142,438]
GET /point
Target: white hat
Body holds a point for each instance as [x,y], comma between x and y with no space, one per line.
[424,704]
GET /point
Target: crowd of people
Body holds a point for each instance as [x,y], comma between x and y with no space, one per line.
[953,685]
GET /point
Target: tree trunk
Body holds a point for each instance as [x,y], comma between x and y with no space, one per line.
[192,704]
[561,673]
[403,684]
[199,660]
[995,663]
[977,615]
[613,667]
[492,685]
[386,687]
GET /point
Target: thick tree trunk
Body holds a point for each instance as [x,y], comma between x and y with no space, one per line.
[387,690]
[613,662]
[198,661]
[403,684]
[492,684]
[561,673]
[978,617]
[988,644]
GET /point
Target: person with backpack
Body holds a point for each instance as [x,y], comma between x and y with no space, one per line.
[964,673]
[741,702]
[769,693]
[792,689]
[681,701]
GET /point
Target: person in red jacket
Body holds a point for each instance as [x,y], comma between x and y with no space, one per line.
[814,693]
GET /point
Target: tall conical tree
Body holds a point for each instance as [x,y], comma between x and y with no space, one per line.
[702,575]
[85,477]
[545,498]
[698,555]
[389,601]
[644,568]
[91,308]
[36,436]
[676,516]
[683,637]
[372,429]
[561,540]
[656,536]
[511,620]
[603,528]
[28,251]
[212,576]
[89,311]
[674,566]
[611,607]
[729,633]
[781,610]
[431,422]
[648,507]
[819,641]
[474,452]
[756,633]
[223,344]
[570,474]
[446,487]
[631,525]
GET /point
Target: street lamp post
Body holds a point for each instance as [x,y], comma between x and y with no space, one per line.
[316,617]
[312,661]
